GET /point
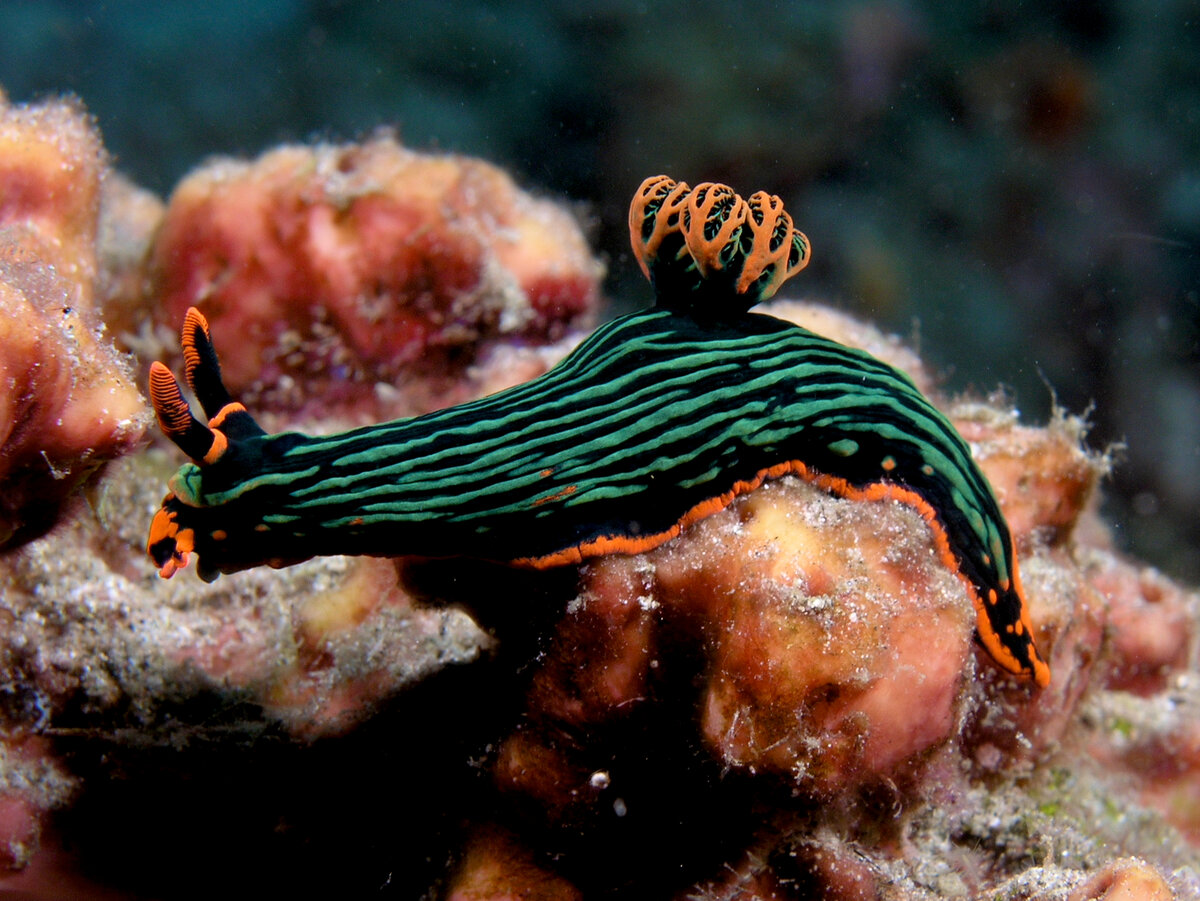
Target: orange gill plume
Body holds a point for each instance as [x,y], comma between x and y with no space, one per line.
[712,226]
[654,216]
[776,246]
[709,250]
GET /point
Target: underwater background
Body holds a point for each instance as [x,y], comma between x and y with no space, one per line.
[1014,187]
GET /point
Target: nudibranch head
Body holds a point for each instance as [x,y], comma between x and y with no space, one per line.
[708,250]
[183,524]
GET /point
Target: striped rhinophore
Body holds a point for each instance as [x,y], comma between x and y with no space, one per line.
[658,419]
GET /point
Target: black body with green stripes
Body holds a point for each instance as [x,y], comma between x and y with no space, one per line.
[653,414]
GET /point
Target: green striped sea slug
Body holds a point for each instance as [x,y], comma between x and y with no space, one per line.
[660,418]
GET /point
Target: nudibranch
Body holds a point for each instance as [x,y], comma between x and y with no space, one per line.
[658,419]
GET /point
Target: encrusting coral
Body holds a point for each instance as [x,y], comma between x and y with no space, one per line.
[335,273]
[68,401]
[783,702]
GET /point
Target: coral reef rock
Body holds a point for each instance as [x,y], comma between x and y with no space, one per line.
[332,273]
[68,401]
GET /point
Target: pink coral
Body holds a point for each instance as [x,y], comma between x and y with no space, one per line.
[31,782]
[1124,880]
[1153,624]
[67,399]
[833,647]
[822,650]
[498,867]
[328,271]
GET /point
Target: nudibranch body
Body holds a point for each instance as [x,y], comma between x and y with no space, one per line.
[658,419]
